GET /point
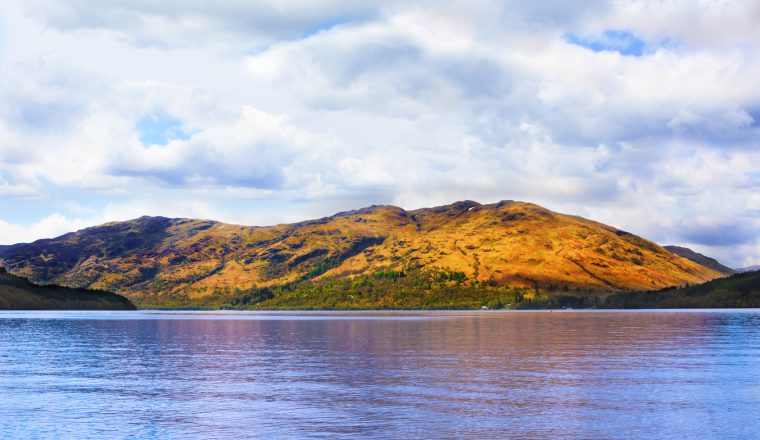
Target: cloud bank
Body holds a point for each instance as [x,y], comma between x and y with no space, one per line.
[640,114]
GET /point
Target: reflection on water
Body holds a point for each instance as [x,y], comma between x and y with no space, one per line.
[383,375]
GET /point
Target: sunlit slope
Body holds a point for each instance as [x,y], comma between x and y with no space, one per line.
[513,243]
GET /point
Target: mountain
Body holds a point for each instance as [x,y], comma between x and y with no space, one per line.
[748,269]
[701,259]
[18,293]
[178,262]
[740,290]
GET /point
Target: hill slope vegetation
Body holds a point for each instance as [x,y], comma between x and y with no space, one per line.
[157,260]
[736,291]
[18,293]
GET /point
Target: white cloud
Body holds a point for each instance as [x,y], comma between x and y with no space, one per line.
[294,112]
[52,225]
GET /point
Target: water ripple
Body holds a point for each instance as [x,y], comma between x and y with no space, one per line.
[685,374]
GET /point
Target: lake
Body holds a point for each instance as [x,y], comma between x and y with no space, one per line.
[200,375]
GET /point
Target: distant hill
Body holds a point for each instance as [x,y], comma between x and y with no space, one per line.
[18,293]
[701,259]
[748,269]
[183,262]
[740,290]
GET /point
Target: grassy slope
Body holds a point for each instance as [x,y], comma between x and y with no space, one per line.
[381,290]
[156,260]
[19,294]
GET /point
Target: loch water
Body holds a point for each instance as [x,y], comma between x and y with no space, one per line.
[230,375]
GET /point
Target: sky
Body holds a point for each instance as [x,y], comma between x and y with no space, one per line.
[641,114]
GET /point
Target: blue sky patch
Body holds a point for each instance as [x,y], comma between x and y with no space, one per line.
[326,25]
[160,128]
[623,42]
[754,113]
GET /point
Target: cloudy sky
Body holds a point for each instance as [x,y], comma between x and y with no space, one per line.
[642,114]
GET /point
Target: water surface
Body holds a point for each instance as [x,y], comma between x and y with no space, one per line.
[591,374]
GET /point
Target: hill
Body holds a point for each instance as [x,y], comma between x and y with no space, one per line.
[740,290]
[701,259]
[180,262]
[748,269]
[18,293]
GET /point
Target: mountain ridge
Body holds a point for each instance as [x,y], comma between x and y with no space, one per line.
[508,243]
[701,259]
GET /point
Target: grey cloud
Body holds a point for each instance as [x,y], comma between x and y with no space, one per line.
[753,112]
[44,98]
[203,174]
[727,234]
[376,71]
[477,78]
[564,13]
[254,163]
[520,15]
[192,22]
[41,116]
[346,66]
[276,20]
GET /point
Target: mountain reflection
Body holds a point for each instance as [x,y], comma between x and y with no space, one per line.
[486,374]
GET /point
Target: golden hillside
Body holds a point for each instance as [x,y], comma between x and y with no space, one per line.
[510,243]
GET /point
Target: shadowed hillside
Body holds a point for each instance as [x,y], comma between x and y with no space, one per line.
[740,290]
[703,260]
[18,293]
[516,244]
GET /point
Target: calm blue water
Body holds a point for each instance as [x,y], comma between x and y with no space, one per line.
[536,375]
